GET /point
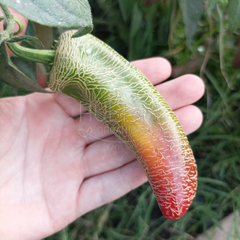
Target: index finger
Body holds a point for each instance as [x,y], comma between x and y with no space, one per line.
[156,69]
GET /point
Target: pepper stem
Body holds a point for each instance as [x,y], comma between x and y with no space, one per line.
[20,26]
[8,24]
[35,55]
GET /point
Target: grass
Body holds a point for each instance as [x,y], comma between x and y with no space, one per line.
[139,31]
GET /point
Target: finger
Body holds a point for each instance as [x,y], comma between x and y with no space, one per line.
[190,118]
[111,153]
[156,69]
[107,187]
[71,106]
[180,92]
[24,22]
[105,155]
[41,75]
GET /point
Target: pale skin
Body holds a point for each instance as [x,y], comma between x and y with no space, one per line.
[51,174]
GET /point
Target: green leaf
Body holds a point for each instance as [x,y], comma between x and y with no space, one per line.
[30,29]
[212,4]
[31,32]
[136,20]
[126,7]
[27,67]
[192,12]
[7,90]
[13,76]
[82,32]
[24,38]
[212,181]
[234,14]
[54,13]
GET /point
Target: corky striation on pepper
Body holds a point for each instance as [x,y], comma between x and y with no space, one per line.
[123,99]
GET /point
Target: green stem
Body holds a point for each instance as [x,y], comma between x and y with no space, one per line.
[35,55]
[9,23]
[20,26]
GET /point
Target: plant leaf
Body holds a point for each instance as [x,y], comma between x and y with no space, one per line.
[13,76]
[31,32]
[24,38]
[54,13]
[136,20]
[234,14]
[126,7]
[192,11]
[212,181]
[212,4]
[26,67]
[82,32]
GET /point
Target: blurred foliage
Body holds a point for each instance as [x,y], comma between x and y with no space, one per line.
[145,28]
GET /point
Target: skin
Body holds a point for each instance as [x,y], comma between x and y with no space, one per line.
[51,174]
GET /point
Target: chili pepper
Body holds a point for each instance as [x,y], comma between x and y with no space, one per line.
[122,98]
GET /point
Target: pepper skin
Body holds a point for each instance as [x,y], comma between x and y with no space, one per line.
[123,99]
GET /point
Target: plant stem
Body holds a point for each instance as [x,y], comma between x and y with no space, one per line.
[9,23]
[20,26]
[35,55]
[221,47]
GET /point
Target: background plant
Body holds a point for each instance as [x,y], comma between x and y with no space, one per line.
[200,37]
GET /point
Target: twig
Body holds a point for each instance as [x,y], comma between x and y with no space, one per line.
[8,24]
[221,48]
[206,59]
[171,37]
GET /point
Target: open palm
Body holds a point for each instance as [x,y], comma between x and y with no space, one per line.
[55,167]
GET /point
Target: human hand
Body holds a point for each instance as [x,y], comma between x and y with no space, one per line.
[52,174]
[52,171]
